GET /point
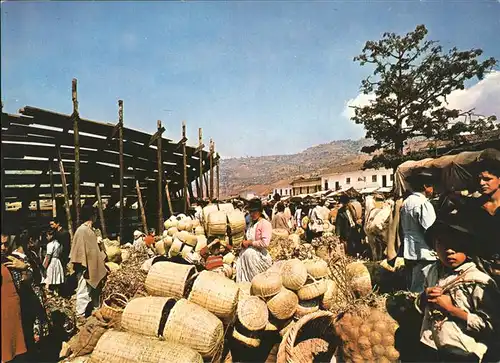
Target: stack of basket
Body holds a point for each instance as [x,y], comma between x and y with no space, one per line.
[285,293]
[187,309]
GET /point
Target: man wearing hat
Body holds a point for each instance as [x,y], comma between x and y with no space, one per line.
[417,215]
[254,257]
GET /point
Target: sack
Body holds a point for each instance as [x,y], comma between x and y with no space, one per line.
[85,341]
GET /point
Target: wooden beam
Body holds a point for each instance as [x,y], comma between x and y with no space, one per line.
[52,193]
[198,190]
[160,180]
[122,167]
[184,167]
[101,211]
[200,150]
[156,135]
[169,200]
[217,172]
[76,134]
[205,176]
[66,196]
[141,207]
[211,169]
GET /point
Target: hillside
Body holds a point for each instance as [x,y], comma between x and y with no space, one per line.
[261,174]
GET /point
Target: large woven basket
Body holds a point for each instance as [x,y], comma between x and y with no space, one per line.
[125,347]
[199,231]
[206,213]
[294,274]
[253,313]
[169,279]
[160,248]
[195,327]
[144,315]
[306,307]
[245,289]
[226,207]
[266,284]
[312,290]
[217,224]
[216,293]
[283,305]
[113,306]
[238,239]
[316,268]
[329,298]
[237,222]
[311,339]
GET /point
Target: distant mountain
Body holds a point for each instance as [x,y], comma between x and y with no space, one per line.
[261,174]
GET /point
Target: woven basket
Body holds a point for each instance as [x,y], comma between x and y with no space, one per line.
[247,341]
[195,327]
[359,278]
[266,284]
[245,289]
[169,223]
[168,241]
[168,279]
[201,243]
[237,222]
[294,274]
[199,231]
[311,339]
[176,248]
[206,213]
[277,266]
[316,268]
[109,312]
[283,305]
[279,233]
[191,240]
[195,223]
[329,298]
[312,290]
[226,207]
[160,248]
[172,231]
[217,224]
[181,235]
[286,327]
[253,313]
[238,240]
[186,250]
[306,307]
[228,258]
[217,294]
[143,315]
[124,347]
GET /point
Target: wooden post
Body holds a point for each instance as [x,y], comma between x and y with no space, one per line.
[160,182]
[101,210]
[184,166]
[211,170]
[38,208]
[205,176]
[141,207]
[169,200]
[76,184]
[198,190]
[52,193]
[120,133]
[200,143]
[66,195]
[217,174]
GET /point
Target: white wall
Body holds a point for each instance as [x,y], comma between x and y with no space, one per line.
[284,192]
[359,179]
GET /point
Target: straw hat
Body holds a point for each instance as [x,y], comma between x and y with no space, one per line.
[253,313]
[266,284]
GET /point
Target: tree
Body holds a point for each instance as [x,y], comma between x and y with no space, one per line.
[412,78]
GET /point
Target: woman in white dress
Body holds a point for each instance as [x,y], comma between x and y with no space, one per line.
[54,268]
[254,257]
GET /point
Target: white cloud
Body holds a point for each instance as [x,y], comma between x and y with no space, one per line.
[484,97]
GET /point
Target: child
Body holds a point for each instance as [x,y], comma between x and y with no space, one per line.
[52,264]
[460,316]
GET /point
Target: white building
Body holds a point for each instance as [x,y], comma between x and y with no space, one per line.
[283,191]
[358,179]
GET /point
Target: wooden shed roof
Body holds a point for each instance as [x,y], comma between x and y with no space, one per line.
[29,151]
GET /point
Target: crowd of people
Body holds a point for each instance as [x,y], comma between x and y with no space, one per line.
[450,245]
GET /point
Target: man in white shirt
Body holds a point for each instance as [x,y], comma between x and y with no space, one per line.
[417,215]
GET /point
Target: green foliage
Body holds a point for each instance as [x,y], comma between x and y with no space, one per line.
[412,78]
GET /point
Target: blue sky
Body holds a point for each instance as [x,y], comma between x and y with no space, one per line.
[259,77]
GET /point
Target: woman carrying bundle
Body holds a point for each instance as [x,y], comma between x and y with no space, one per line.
[254,257]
